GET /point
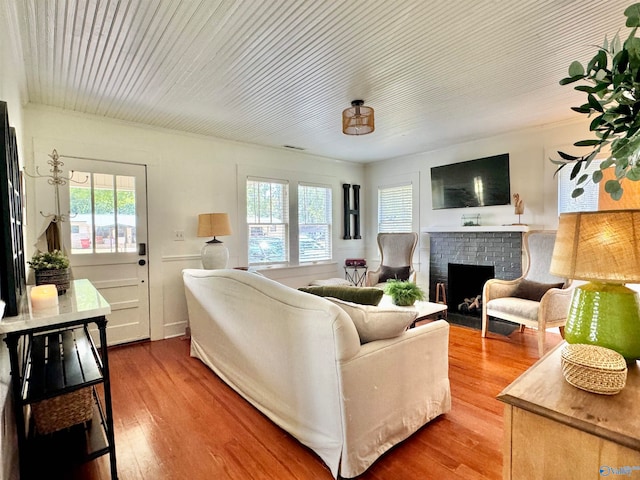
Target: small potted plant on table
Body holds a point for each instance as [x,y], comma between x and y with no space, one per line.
[403,293]
[51,268]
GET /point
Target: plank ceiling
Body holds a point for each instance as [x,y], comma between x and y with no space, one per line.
[279,72]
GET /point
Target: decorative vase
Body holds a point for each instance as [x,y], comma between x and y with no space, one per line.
[402,302]
[60,278]
[606,315]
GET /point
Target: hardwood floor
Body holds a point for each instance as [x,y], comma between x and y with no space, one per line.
[174,419]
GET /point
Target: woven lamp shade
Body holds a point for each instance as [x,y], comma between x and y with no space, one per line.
[602,246]
[213,224]
[358,119]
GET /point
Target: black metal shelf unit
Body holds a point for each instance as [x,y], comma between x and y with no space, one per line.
[52,363]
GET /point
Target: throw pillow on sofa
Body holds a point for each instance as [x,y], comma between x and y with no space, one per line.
[361,295]
[534,291]
[376,323]
[394,273]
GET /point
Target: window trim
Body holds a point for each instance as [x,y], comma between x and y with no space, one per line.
[245,172]
[285,223]
[330,224]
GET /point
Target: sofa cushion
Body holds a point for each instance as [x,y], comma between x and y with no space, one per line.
[377,323]
[514,306]
[534,291]
[393,273]
[361,295]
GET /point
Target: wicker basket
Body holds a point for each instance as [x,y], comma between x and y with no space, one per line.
[593,368]
[64,411]
[60,278]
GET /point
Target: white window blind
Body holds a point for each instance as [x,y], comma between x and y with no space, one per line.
[395,208]
[268,221]
[586,202]
[314,222]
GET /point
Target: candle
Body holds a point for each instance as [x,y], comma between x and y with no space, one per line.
[44,296]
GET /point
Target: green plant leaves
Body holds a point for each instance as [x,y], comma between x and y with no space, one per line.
[587,143]
[614,189]
[613,102]
[597,176]
[634,174]
[576,69]
[632,13]
[594,103]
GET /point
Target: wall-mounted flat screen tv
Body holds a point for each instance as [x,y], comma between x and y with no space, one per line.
[475,183]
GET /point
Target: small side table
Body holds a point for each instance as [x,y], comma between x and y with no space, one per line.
[355,274]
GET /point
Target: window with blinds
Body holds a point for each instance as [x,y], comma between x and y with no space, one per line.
[268,221]
[594,197]
[395,208]
[314,223]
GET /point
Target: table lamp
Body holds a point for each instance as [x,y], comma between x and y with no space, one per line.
[603,248]
[214,254]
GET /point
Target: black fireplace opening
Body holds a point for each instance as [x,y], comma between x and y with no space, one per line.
[465,283]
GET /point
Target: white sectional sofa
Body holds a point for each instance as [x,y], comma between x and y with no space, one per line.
[299,360]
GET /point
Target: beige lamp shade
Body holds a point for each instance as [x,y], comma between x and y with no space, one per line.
[601,246]
[213,225]
[358,119]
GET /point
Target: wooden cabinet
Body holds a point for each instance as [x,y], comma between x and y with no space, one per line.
[556,431]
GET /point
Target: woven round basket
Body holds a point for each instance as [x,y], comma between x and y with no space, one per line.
[60,278]
[593,368]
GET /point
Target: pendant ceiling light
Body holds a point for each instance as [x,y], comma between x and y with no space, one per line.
[357,120]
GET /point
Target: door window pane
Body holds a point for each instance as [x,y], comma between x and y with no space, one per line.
[126,213]
[102,211]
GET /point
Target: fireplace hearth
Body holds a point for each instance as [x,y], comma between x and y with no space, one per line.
[465,287]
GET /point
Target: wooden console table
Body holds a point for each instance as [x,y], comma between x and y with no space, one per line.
[51,354]
[556,431]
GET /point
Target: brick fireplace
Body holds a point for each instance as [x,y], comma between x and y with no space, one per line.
[500,247]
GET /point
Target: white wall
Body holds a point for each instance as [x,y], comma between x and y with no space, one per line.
[531,176]
[186,175]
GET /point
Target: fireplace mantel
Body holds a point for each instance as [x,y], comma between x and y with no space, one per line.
[481,228]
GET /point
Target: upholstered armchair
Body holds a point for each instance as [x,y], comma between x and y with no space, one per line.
[396,258]
[537,299]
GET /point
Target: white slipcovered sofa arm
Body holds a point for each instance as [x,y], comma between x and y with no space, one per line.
[401,382]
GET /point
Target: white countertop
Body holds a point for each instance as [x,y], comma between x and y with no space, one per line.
[81,301]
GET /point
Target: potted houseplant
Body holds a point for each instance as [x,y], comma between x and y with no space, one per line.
[613,101]
[403,293]
[51,268]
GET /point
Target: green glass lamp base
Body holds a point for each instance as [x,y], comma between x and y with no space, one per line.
[607,315]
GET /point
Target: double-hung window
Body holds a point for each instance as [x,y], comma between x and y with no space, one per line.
[594,196]
[314,223]
[395,208]
[268,221]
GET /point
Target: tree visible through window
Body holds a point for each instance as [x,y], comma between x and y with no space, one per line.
[102,213]
[268,221]
[314,223]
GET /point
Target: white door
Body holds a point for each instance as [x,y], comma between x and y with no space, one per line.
[106,239]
